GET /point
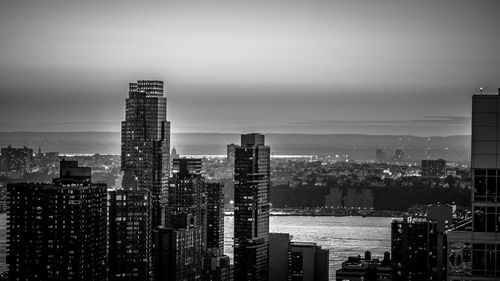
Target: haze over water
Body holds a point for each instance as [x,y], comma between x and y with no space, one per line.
[343,236]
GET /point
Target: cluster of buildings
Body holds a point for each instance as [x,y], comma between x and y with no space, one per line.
[163,221]
[381,156]
[440,247]
[418,250]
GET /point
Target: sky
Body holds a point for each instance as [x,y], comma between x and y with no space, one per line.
[333,66]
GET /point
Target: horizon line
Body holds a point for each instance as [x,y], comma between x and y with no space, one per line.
[239,133]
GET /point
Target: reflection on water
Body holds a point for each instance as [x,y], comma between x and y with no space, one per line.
[343,236]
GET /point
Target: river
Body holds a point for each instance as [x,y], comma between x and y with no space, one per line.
[343,236]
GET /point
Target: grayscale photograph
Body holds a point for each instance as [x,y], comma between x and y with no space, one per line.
[238,140]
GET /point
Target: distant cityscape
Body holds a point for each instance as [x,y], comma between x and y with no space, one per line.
[155,212]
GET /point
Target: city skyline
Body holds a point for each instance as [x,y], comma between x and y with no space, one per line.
[321,67]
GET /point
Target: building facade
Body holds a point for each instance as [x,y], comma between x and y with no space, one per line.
[130,231]
[414,249]
[216,265]
[308,262]
[474,253]
[57,231]
[177,254]
[145,152]
[433,168]
[251,209]
[179,246]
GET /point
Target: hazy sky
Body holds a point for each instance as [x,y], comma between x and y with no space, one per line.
[376,67]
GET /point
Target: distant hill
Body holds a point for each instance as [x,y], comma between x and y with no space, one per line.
[358,146]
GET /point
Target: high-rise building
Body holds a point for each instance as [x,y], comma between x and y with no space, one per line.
[146,142]
[180,245]
[433,168]
[251,209]
[188,165]
[58,231]
[443,216]
[177,252]
[475,255]
[136,209]
[414,249]
[296,261]
[215,216]
[308,262]
[186,194]
[216,265]
[279,256]
[130,234]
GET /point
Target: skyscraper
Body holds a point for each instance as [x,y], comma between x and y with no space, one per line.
[251,208]
[308,262]
[145,156]
[58,231]
[475,255]
[414,249]
[215,216]
[179,245]
[216,266]
[130,229]
[186,193]
[136,209]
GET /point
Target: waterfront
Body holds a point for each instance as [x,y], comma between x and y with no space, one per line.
[343,236]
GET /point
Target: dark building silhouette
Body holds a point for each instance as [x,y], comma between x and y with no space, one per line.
[130,228]
[433,168]
[251,208]
[296,260]
[186,194]
[366,269]
[215,216]
[308,262]
[414,249]
[216,265]
[279,256]
[58,231]
[178,252]
[180,245]
[145,153]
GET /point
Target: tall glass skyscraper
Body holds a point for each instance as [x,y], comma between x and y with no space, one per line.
[475,255]
[145,157]
[135,209]
[251,208]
